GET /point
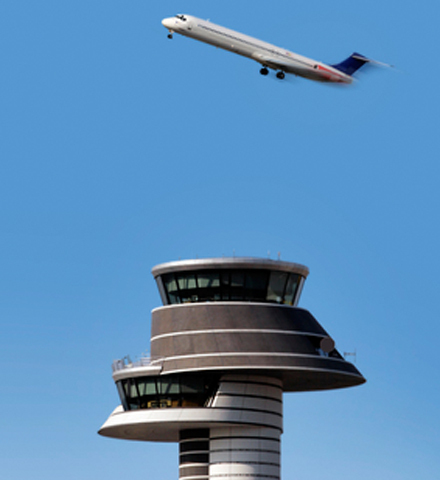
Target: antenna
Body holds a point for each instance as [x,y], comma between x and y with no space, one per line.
[350,354]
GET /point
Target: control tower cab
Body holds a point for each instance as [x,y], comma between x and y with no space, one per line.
[227,342]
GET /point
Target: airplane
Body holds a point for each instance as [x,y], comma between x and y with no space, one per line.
[268,55]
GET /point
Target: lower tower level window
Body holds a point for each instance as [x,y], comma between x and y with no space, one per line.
[167,391]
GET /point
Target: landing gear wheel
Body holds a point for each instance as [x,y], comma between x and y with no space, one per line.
[264,71]
[280,75]
[170,36]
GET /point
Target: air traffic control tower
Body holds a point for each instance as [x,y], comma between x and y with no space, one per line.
[229,340]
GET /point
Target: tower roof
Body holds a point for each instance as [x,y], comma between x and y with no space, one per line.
[229,263]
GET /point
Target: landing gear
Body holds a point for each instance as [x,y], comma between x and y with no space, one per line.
[264,71]
[170,36]
[280,75]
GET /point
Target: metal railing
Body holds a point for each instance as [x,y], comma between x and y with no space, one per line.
[126,362]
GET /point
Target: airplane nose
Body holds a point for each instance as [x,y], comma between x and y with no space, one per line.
[167,22]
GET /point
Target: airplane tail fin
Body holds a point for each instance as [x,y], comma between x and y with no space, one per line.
[352,63]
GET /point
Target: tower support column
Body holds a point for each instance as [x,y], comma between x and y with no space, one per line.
[194,454]
[239,453]
[250,451]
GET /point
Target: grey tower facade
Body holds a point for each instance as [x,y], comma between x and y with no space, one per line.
[227,342]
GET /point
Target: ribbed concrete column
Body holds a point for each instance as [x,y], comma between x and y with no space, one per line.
[250,453]
[194,455]
[244,453]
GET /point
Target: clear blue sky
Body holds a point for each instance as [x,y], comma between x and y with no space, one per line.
[120,150]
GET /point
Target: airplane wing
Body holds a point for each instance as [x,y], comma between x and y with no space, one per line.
[272,62]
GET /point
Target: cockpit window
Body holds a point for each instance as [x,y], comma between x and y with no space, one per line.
[181,17]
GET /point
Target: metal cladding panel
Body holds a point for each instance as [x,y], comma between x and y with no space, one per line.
[268,445]
[278,340]
[238,455]
[249,392]
[297,373]
[194,472]
[268,391]
[232,470]
[243,435]
[232,263]
[237,341]
[237,470]
[231,315]
[244,452]
[249,403]
[164,425]
[194,454]
[238,378]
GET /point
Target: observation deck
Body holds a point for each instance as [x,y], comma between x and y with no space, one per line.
[241,313]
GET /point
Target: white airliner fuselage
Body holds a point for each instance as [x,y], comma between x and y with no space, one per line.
[268,55]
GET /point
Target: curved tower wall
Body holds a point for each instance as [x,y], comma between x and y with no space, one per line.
[227,343]
[250,447]
[231,336]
